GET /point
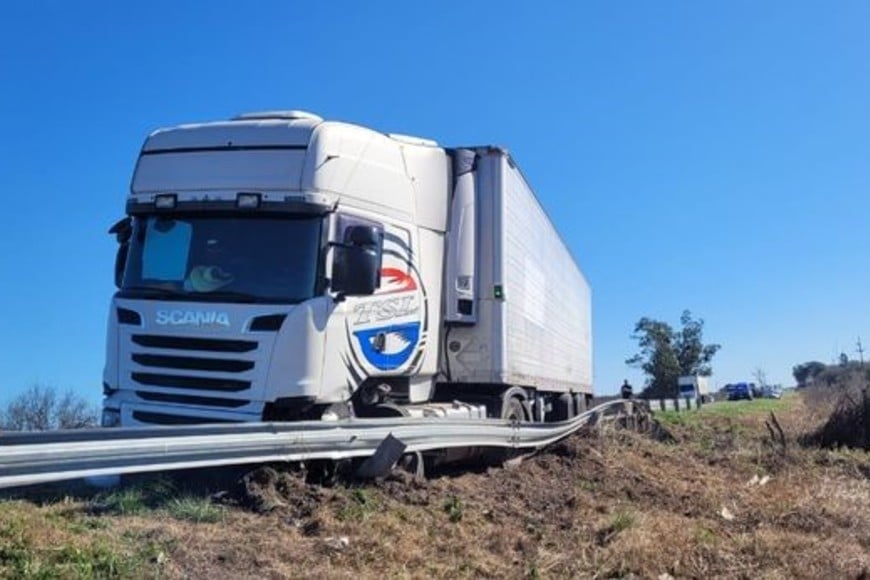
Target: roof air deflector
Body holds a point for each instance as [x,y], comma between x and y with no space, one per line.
[284,115]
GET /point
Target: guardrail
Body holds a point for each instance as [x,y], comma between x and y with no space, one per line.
[31,458]
[684,404]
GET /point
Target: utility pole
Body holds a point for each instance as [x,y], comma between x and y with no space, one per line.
[865,399]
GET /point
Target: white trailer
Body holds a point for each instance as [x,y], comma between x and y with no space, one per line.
[695,387]
[277,267]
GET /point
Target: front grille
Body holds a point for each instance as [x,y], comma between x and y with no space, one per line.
[167,419]
[189,343]
[192,400]
[193,363]
[205,372]
[185,382]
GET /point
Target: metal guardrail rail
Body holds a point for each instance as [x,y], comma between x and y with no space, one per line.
[32,458]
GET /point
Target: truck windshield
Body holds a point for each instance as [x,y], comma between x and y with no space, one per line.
[226,259]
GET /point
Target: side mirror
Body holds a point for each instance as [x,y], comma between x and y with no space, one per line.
[356,265]
[122,229]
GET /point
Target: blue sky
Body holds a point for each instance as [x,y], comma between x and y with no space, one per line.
[704,155]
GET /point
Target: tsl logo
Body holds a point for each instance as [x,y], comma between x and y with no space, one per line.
[386,309]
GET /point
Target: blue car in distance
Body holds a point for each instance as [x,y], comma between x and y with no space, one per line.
[738,391]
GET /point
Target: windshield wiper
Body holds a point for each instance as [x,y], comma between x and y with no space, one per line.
[216,296]
[154,291]
[221,295]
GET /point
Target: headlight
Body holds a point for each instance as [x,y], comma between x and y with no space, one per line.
[111,418]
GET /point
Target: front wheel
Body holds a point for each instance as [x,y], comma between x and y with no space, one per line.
[512,410]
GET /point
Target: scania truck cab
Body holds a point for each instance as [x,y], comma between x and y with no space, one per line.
[280,267]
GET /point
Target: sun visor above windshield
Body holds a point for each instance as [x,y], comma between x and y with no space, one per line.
[229,170]
[246,154]
[225,134]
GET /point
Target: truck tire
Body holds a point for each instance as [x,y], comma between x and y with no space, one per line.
[581,403]
[563,408]
[513,410]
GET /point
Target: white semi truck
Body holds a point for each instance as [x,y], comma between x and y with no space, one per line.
[694,387]
[279,267]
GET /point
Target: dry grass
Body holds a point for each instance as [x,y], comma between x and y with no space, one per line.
[847,411]
[611,504]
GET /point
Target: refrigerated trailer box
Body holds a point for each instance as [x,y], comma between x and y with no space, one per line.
[534,323]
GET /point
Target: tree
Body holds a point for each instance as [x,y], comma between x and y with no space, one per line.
[39,408]
[666,354]
[806,373]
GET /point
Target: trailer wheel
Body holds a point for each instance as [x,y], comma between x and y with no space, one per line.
[563,408]
[581,403]
[513,410]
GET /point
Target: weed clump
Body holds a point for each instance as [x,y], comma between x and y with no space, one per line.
[453,508]
[848,424]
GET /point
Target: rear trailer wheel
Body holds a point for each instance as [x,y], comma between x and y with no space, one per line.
[581,403]
[563,408]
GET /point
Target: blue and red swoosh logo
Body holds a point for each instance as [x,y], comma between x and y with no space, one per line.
[395,280]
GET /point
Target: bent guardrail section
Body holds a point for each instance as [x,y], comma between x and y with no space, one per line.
[32,458]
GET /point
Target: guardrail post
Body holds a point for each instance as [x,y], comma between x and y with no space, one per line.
[677,405]
[662,405]
[688,403]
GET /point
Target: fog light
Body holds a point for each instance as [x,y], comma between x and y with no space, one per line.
[111,418]
[165,201]
[248,200]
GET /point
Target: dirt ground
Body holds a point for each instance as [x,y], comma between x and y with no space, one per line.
[719,499]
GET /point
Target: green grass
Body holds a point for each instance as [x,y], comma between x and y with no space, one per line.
[125,502]
[754,407]
[160,495]
[137,499]
[706,536]
[726,409]
[672,417]
[453,508]
[195,509]
[47,543]
[622,520]
[361,505]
